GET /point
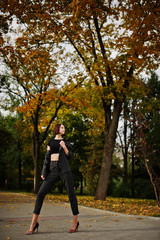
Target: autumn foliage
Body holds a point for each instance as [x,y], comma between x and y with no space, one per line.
[139,207]
[111,43]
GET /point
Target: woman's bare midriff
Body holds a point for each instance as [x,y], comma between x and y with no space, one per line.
[55,157]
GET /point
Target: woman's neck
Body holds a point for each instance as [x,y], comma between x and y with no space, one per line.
[58,136]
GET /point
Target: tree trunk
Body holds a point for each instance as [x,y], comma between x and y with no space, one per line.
[125,178]
[132,180]
[110,136]
[105,169]
[19,173]
[81,187]
[126,143]
[19,167]
[151,174]
[133,136]
[36,151]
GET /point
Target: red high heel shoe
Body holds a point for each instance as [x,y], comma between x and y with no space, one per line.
[74,230]
[32,232]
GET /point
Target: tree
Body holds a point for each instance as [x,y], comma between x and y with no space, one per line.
[32,80]
[146,115]
[6,139]
[89,29]
[11,152]
[96,30]
[37,87]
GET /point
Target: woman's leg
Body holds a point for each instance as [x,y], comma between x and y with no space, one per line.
[44,189]
[68,181]
[75,222]
[33,222]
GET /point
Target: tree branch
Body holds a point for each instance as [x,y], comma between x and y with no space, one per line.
[107,67]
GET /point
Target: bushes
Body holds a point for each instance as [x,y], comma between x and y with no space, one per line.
[121,189]
[142,189]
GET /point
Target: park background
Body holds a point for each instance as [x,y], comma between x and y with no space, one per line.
[92,66]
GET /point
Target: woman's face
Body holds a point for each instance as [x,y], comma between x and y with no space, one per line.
[62,130]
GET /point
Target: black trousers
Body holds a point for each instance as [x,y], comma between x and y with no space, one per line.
[54,174]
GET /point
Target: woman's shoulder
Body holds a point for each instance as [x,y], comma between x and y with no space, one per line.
[50,141]
[66,140]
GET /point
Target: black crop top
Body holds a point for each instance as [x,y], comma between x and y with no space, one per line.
[54,145]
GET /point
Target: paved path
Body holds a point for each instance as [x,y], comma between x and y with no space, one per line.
[55,221]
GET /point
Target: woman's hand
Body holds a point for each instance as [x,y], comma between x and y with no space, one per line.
[63,145]
[42,177]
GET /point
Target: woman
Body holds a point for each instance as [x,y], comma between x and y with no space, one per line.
[55,166]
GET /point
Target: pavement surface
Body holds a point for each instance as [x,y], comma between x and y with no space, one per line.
[56,219]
